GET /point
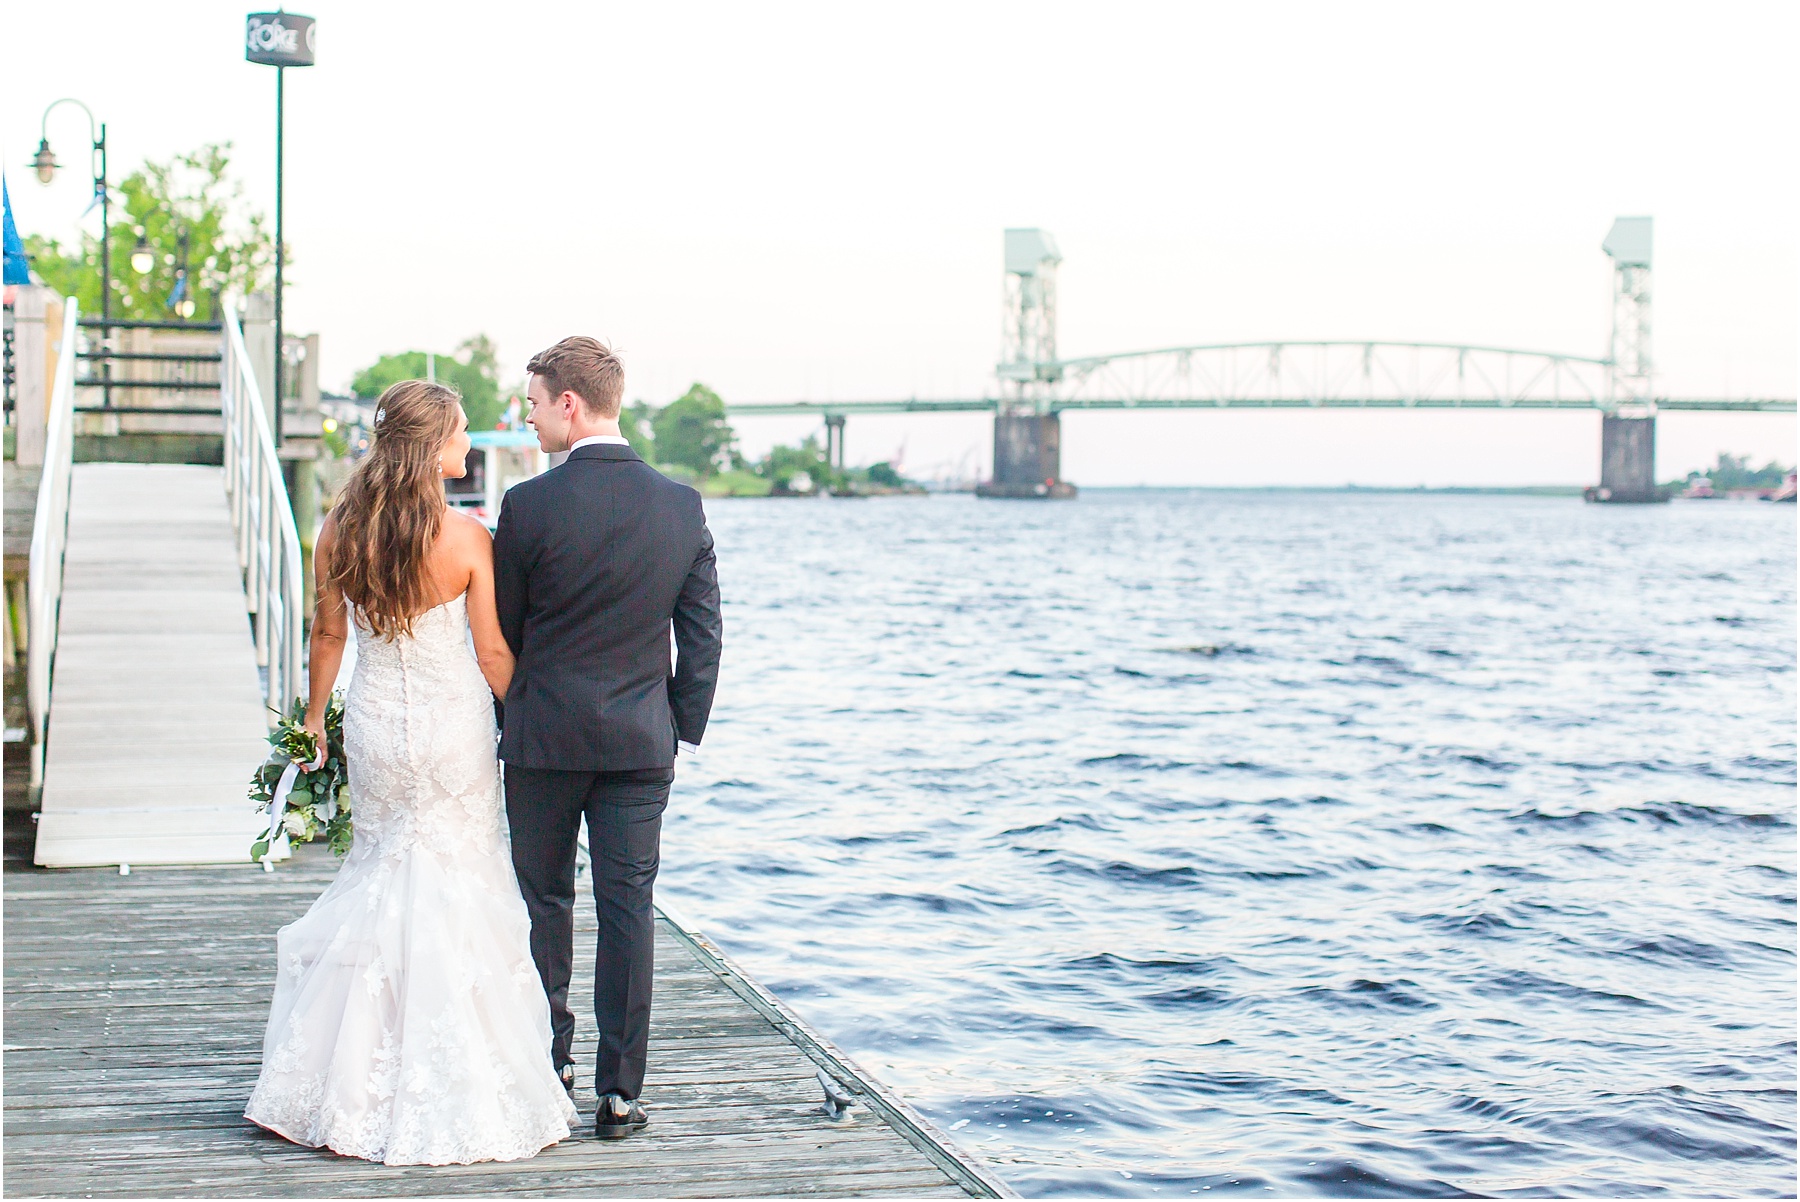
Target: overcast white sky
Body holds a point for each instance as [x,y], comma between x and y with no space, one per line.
[807,201]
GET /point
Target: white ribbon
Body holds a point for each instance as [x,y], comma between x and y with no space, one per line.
[278,808]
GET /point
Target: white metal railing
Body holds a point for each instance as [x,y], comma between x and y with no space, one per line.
[49,539]
[267,540]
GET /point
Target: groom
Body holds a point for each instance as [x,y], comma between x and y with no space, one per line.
[595,563]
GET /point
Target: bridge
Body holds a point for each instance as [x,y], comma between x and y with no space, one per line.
[1036,385]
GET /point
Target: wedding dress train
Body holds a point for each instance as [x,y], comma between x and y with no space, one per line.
[409,1024]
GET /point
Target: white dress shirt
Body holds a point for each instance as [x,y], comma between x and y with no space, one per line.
[600,440]
[615,440]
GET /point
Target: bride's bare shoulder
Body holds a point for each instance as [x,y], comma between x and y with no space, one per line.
[464,536]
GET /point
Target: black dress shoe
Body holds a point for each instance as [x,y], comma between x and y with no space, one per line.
[566,1074]
[618,1117]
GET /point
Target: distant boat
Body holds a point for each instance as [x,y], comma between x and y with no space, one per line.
[1699,488]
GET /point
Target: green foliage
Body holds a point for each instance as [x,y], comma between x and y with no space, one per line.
[883,475]
[692,432]
[805,469]
[1734,471]
[229,248]
[783,467]
[319,802]
[876,478]
[636,426]
[475,374]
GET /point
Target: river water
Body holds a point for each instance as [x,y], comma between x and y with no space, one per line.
[1175,843]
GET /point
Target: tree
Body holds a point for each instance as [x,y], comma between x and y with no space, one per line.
[783,467]
[692,432]
[228,248]
[636,422]
[475,375]
[883,475]
[1734,471]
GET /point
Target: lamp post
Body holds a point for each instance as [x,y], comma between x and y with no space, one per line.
[280,40]
[45,163]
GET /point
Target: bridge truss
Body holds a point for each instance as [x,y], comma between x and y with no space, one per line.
[1328,375]
[1300,375]
[1346,375]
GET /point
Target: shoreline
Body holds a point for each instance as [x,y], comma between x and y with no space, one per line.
[1561,491]
[1546,490]
[1528,490]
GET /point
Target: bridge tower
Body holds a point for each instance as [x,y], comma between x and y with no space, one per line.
[1628,424]
[1027,432]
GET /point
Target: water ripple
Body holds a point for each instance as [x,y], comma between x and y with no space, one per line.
[1206,844]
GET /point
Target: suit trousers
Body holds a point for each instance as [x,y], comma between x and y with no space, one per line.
[544,808]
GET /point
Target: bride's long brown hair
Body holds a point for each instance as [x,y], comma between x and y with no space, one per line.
[392,509]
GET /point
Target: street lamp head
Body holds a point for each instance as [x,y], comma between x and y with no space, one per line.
[45,162]
[142,260]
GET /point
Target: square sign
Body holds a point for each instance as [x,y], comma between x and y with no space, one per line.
[279,39]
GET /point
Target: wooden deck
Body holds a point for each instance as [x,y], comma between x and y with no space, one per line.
[134,1012]
[157,719]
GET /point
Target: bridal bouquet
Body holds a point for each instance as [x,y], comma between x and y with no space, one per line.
[301,804]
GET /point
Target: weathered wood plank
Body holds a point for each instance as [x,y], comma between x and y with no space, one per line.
[602,1182]
[134,1012]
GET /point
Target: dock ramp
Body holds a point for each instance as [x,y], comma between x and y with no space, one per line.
[157,713]
[165,630]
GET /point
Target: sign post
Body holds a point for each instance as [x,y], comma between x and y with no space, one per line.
[280,40]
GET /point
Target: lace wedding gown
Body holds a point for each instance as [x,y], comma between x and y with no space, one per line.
[409,1025]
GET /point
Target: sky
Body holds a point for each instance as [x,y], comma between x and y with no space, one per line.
[795,201]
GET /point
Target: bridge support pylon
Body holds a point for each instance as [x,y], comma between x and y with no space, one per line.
[1027,458]
[1627,461]
[1628,443]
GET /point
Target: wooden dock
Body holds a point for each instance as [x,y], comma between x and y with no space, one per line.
[135,1007]
[157,719]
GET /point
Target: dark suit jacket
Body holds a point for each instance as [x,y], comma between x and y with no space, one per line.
[594,562]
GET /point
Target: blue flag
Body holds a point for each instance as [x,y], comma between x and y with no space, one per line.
[18,269]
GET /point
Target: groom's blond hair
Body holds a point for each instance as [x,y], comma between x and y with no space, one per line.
[586,367]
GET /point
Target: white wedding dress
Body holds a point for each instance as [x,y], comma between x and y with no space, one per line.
[409,1025]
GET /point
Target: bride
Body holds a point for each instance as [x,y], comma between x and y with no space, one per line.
[409,1025]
